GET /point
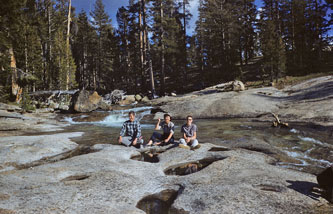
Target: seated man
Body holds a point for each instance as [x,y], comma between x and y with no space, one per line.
[130,133]
[189,131]
[168,131]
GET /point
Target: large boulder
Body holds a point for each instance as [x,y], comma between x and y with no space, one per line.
[129,99]
[325,181]
[86,101]
[238,86]
[114,97]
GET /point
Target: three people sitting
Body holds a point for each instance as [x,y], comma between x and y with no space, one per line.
[130,134]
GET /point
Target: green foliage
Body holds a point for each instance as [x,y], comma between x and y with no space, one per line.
[62,66]
[273,50]
[104,56]
[5,92]
[26,103]
[291,36]
[225,36]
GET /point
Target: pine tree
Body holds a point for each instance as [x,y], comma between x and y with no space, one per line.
[168,36]
[104,30]
[272,44]
[218,35]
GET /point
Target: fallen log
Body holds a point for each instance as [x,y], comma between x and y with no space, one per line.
[278,123]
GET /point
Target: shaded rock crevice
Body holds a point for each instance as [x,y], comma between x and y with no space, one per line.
[162,202]
[76,178]
[191,167]
[80,150]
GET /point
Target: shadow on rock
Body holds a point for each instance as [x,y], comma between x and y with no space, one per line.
[304,187]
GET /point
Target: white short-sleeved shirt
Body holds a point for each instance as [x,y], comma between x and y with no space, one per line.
[167,128]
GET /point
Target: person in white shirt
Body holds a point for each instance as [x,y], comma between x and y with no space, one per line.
[167,137]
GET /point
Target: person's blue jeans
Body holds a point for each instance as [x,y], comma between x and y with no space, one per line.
[158,137]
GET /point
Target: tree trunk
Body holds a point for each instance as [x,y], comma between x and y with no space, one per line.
[47,73]
[16,90]
[141,45]
[144,43]
[151,73]
[162,52]
[147,46]
[67,43]
[185,52]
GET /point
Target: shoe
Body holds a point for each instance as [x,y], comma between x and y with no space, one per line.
[157,143]
[196,147]
[147,145]
[184,146]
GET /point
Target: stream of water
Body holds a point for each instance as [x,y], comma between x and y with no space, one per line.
[308,146]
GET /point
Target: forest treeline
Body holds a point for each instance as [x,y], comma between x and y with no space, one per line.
[48,45]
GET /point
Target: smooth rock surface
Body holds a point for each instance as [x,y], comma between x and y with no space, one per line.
[16,151]
[309,101]
[108,181]
[248,103]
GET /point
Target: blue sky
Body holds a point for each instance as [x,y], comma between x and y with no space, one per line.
[111,7]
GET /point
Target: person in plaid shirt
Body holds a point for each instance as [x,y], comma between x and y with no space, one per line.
[130,133]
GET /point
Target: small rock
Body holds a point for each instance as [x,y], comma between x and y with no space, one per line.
[44,110]
[54,105]
[173,94]
[145,99]
[63,107]
[138,97]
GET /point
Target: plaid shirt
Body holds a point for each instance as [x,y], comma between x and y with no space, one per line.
[132,129]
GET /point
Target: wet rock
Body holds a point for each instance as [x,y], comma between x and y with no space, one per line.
[85,101]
